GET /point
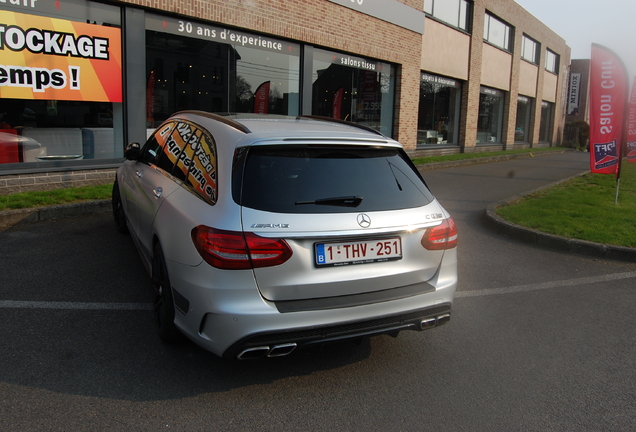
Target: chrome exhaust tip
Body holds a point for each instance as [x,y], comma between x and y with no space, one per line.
[428,323]
[253,353]
[443,319]
[282,350]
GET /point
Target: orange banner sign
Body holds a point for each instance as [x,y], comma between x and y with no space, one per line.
[53,59]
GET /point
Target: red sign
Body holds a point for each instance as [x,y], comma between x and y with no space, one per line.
[608,97]
[336,104]
[261,99]
[150,100]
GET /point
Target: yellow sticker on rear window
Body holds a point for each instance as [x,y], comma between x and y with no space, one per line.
[193,154]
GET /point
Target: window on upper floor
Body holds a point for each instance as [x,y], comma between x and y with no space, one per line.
[551,61]
[530,49]
[453,12]
[497,33]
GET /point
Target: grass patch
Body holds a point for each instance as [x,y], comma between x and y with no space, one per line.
[582,208]
[462,156]
[54,197]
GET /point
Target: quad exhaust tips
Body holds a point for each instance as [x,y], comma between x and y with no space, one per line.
[267,351]
[430,323]
[284,349]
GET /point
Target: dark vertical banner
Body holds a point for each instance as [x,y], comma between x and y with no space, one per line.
[608,98]
[631,126]
[336,104]
[261,98]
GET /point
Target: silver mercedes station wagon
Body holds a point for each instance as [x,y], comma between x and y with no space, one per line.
[266,234]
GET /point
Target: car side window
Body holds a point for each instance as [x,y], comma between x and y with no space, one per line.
[152,152]
[188,153]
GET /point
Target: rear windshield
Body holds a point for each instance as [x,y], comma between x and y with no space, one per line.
[326,179]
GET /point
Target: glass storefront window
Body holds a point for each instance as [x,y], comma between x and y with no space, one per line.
[61,93]
[196,66]
[353,89]
[440,101]
[522,125]
[489,123]
[547,108]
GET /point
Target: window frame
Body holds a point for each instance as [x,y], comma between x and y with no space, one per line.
[465,8]
[508,33]
[537,49]
[551,66]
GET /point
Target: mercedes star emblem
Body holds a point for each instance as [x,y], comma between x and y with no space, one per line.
[364,220]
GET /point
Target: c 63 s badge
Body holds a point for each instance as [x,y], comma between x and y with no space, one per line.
[278,225]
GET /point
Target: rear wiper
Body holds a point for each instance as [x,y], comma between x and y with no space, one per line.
[345,201]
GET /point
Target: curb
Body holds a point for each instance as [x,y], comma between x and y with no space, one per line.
[553,241]
[33,215]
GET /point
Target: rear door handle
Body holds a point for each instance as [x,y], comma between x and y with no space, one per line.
[139,173]
[158,191]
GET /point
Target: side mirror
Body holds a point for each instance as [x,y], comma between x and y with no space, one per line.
[132,152]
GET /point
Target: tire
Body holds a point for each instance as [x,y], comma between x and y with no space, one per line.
[118,210]
[163,305]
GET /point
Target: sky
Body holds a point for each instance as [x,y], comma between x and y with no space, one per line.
[611,23]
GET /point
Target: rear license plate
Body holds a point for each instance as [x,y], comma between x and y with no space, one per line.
[361,252]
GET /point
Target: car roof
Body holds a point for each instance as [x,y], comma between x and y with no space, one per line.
[258,127]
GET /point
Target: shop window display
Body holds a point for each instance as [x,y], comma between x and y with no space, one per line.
[489,123]
[547,109]
[202,67]
[60,100]
[353,89]
[440,100]
[522,125]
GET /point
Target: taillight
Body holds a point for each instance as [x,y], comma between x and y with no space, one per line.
[441,237]
[233,250]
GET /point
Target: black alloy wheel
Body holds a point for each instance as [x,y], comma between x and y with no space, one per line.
[163,305]
[118,210]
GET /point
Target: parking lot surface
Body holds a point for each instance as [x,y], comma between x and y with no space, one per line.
[539,340]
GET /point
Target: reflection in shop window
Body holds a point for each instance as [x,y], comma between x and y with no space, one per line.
[51,130]
[547,108]
[353,89]
[187,73]
[489,123]
[522,125]
[438,115]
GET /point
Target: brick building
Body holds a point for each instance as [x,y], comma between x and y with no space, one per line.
[81,78]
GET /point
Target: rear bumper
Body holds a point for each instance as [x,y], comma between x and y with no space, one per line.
[227,315]
[279,343]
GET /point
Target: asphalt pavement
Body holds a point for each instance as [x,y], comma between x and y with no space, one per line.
[540,339]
